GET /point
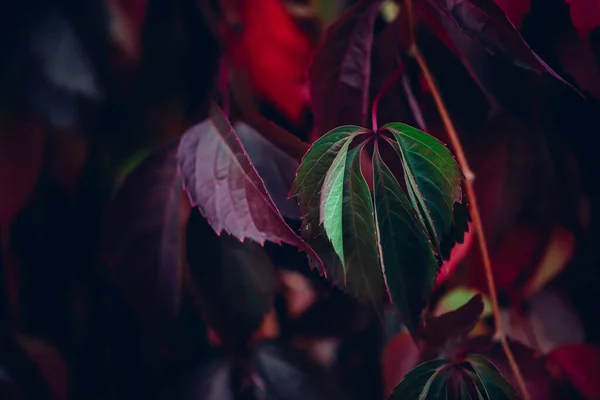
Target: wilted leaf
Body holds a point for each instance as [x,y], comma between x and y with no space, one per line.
[307,187]
[433,181]
[222,182]
[235,281]
[340,72]
[441,334]
[407,258]
[142,236]
[580,365]
[276,168]
[474,378]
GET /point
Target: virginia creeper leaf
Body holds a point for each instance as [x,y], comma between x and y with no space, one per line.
[475,378]
[441,334]
[222,182]
[235,281]
[485,21]
[275,167]
[340,72]
[359,237]
[413,383]
[494,384]
[307,187]
[332,195]
[407,258]
[433,180]
[142,236]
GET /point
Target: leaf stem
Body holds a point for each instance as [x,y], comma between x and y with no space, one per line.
[397,74]
[470,177]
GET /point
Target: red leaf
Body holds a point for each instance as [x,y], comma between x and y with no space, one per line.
[457,254]
[340,72]
[274,52]
[400,355]
[222,182]
[21,157]
[515,10]
[585,15]
[580,364]
[142,236]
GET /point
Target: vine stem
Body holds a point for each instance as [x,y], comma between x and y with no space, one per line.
[397,74]
[469,178]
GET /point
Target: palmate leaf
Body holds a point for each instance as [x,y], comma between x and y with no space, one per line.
[474,378]
[407,259]
[433,180]
[308,186]
[415,223]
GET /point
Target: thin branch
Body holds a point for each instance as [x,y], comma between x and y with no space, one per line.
[388,84]
[470,177]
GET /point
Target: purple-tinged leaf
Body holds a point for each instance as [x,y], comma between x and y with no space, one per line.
[142,236]
[340,72]
[222,182]
[440,335]
[276,167]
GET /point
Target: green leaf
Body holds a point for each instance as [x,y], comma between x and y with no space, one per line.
[416,380]
[407,258]
[433,180]
[307,187]
[495,386]
[475,378]
[361,266]
[331,201]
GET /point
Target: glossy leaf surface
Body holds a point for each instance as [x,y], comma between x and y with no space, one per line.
[474,378]
[433,180]
[407,258]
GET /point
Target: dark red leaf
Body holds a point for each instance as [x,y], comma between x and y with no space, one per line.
[585,15]
[222,182]
[340,72]
[274,52]
[142,236]
[441,334]
[515,10]
[580,364]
